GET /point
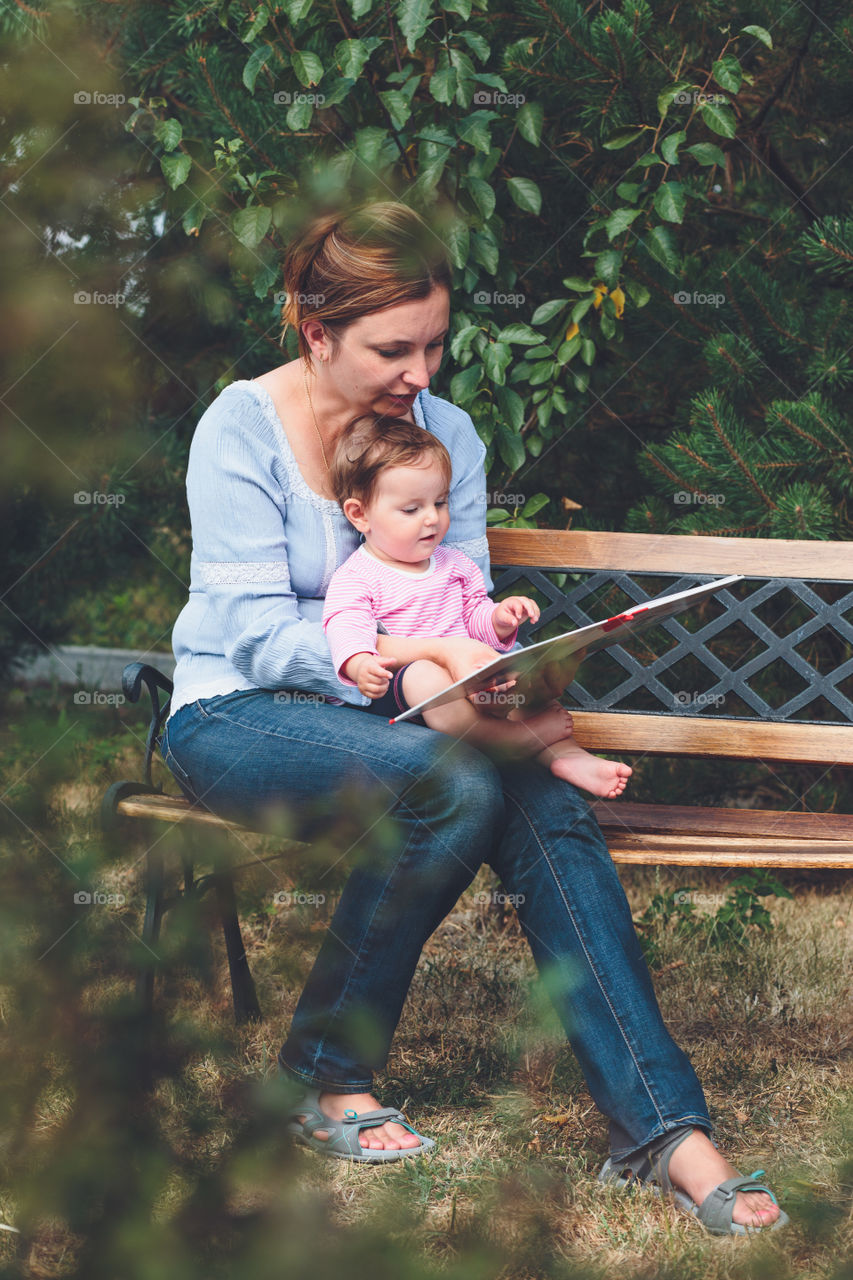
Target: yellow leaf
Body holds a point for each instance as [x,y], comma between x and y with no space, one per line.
[618,297]
[600,295]
[571,331]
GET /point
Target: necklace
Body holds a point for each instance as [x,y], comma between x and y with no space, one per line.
[314,416]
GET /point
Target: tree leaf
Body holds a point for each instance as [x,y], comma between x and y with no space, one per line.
[707,153]
[458,242]
[265,278]
[760,33]
[496,357]
[529,121]
[442,85]
[607,267]
[623,138]
[670,201]
[463,385]
[660,245]
[475,130]
[534,504]
[547,310]
[619,221]
[462,340]
[482,194]
[252,224]
[308,67]
[510,447]
[413,18]
[628,191]
[176,169]
[728,73]
[721,119]
[350,56]
[398,106]
[578,284]
[638,293]
[521,333]
[526,194]
[169,132]
[667,96]
[257,60]
[669,146]
[511,407]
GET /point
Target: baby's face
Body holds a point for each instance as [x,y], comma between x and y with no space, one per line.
[408,514]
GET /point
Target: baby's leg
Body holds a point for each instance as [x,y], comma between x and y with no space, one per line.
[492,735]
[569,761]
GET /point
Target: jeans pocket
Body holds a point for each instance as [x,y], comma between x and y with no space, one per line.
[179,773]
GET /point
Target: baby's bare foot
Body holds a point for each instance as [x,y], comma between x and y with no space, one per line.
[605,778]
[548,726]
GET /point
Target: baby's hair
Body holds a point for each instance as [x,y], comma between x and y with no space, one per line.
[373,442]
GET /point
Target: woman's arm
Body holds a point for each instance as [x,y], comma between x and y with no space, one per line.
[240,555]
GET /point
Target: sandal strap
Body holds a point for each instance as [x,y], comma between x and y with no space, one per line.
[715,1211]
[651,1163]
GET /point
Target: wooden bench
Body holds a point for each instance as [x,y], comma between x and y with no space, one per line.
[731,655]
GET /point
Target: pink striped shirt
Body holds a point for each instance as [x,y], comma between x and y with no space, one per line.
[448,599]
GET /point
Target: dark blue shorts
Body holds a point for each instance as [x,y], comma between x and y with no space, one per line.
[392,703]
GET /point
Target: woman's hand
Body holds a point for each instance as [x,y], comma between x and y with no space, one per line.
[461,656]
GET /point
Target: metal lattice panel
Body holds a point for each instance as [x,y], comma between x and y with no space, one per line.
[640,667]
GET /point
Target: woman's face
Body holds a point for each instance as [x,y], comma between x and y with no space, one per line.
[384,359]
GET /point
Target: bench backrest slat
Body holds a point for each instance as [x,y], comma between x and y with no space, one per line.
[673,732]
[650,553]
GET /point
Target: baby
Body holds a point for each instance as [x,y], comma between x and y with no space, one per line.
[392,479]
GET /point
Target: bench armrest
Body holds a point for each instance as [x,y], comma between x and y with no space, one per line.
[133,677]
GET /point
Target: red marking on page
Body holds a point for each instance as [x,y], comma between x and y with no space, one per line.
[621,618]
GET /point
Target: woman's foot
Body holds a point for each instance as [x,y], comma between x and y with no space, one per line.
[696,1167]
[388,1137]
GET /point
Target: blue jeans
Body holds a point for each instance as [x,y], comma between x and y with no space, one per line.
[449,809]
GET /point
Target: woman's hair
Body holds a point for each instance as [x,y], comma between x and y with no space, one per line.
[372,443]
[343,266]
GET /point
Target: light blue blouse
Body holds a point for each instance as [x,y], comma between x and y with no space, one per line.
[264,546]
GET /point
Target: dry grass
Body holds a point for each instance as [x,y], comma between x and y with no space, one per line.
[480,1063]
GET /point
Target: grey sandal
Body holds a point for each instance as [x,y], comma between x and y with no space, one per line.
[650,1167]
[342,1141]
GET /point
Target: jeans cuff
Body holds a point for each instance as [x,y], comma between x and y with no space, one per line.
[669,1126]
[324,1086]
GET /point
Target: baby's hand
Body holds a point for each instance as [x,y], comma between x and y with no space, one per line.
[510,613]
[373,676]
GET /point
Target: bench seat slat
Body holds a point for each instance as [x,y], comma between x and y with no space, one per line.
[727,851]
[714,737]
[709,838]
[629,818]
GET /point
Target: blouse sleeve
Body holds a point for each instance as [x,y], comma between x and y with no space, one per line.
[467,532]
[238,510]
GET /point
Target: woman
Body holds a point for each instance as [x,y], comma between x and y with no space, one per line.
[369,295]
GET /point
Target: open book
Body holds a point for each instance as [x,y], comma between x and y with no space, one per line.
[542,671]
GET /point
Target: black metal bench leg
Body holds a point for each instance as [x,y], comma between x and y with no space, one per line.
[154,907]
[246,1005]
